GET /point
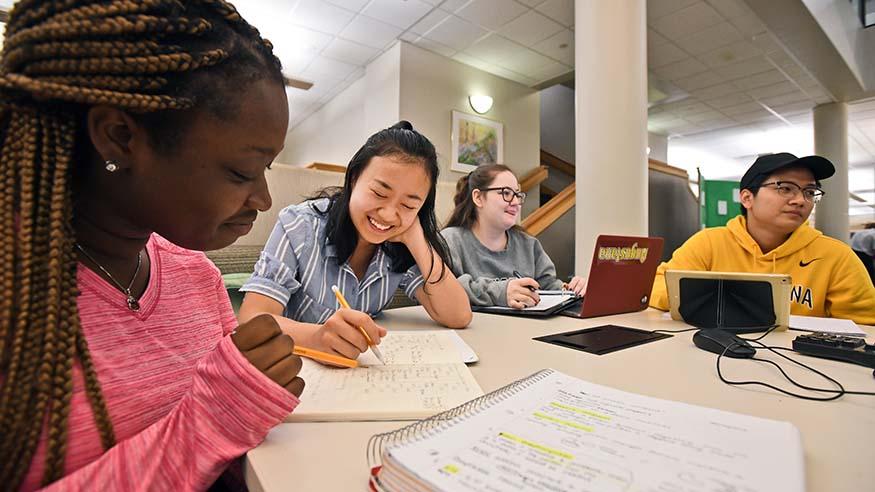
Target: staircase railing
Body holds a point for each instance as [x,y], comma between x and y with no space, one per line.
[539,220]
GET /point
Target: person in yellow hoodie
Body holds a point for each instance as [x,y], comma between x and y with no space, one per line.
[772,235]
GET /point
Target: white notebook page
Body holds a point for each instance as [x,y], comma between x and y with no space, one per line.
[563,433]
[424,374]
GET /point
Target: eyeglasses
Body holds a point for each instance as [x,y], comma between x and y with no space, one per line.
[789,189]
[508,194]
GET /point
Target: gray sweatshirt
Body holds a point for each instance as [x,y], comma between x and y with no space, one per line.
[484,273]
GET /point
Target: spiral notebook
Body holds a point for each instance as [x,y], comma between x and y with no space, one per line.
[424,374]
[552,432]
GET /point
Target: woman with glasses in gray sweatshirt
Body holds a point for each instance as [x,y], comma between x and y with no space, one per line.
[496,262]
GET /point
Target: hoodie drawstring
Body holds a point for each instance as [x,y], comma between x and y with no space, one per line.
[774,269]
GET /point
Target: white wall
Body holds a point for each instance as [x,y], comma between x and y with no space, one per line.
[557,122]
[658,146]
[336,131]
[433,85]
[840,22]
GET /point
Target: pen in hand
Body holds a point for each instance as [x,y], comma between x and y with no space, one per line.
[345,304]
[517,275]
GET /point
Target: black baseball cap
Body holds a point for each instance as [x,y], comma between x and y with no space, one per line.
[767,164]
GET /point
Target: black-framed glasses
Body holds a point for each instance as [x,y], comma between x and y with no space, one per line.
[789,189]
[508,194]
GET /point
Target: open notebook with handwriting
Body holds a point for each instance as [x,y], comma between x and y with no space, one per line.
[425,373]
[551,432]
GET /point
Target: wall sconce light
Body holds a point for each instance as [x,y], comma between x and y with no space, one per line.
[480,104]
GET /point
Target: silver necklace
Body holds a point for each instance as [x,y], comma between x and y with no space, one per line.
[133,303]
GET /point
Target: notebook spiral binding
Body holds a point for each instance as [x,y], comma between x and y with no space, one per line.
[434,424]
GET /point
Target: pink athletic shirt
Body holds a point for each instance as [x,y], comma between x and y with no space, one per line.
[183,400]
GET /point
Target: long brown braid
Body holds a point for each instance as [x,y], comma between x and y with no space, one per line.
[150,57]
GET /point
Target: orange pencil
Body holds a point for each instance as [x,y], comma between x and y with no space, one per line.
[317,355]
[343,303]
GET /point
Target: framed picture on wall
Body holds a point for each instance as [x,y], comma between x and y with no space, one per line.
[476,141]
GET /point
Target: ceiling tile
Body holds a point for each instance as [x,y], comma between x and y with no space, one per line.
[735,52]
[435,47]
[554,69]
[803,106]
[681,69]
[453,5]
[730,100]
[687,21]
[767,43]
[530,28]
[527,62]
[747,107]
[730,8]
[399,14]
[332,69]
[321,16]
[296,61]
[494,49]
[531,3]
[709,39]
[353,5]
[561,11]
[661,8]
[718,90]
[748,25]
[759,114]
[370,32]
[347,51]
[784,99]
[663,54]
[559,46]
[784,87]
[760,80]
[409,36]
[744,68]
[687,107]
[699,81]
[696,115]
[456,33]
[491,14]
[511,75]
[428,22]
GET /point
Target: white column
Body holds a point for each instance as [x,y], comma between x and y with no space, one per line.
[831,141]
[610,72]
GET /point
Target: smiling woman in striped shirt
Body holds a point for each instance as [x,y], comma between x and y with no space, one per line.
[375,234]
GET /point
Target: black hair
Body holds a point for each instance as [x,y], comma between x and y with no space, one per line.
[216,89]
[400,142]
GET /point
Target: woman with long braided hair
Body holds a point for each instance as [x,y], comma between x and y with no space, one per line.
[132,132]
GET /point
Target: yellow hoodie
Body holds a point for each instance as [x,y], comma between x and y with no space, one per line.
[828,278]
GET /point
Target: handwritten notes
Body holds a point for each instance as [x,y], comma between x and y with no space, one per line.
[415,347]
[562,433]
[424,374]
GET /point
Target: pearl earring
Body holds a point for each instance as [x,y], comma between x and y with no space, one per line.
[111,165]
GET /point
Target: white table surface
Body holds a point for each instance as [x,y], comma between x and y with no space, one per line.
[838,436]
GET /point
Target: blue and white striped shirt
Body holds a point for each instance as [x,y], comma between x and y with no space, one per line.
[298,267]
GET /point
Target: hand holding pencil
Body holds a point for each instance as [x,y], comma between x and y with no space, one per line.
[361,326]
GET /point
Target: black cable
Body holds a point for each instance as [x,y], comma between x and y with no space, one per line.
[838,393]
[780,390]
[673,331]
[773,349]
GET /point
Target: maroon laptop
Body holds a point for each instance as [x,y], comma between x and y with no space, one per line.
[621,276]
